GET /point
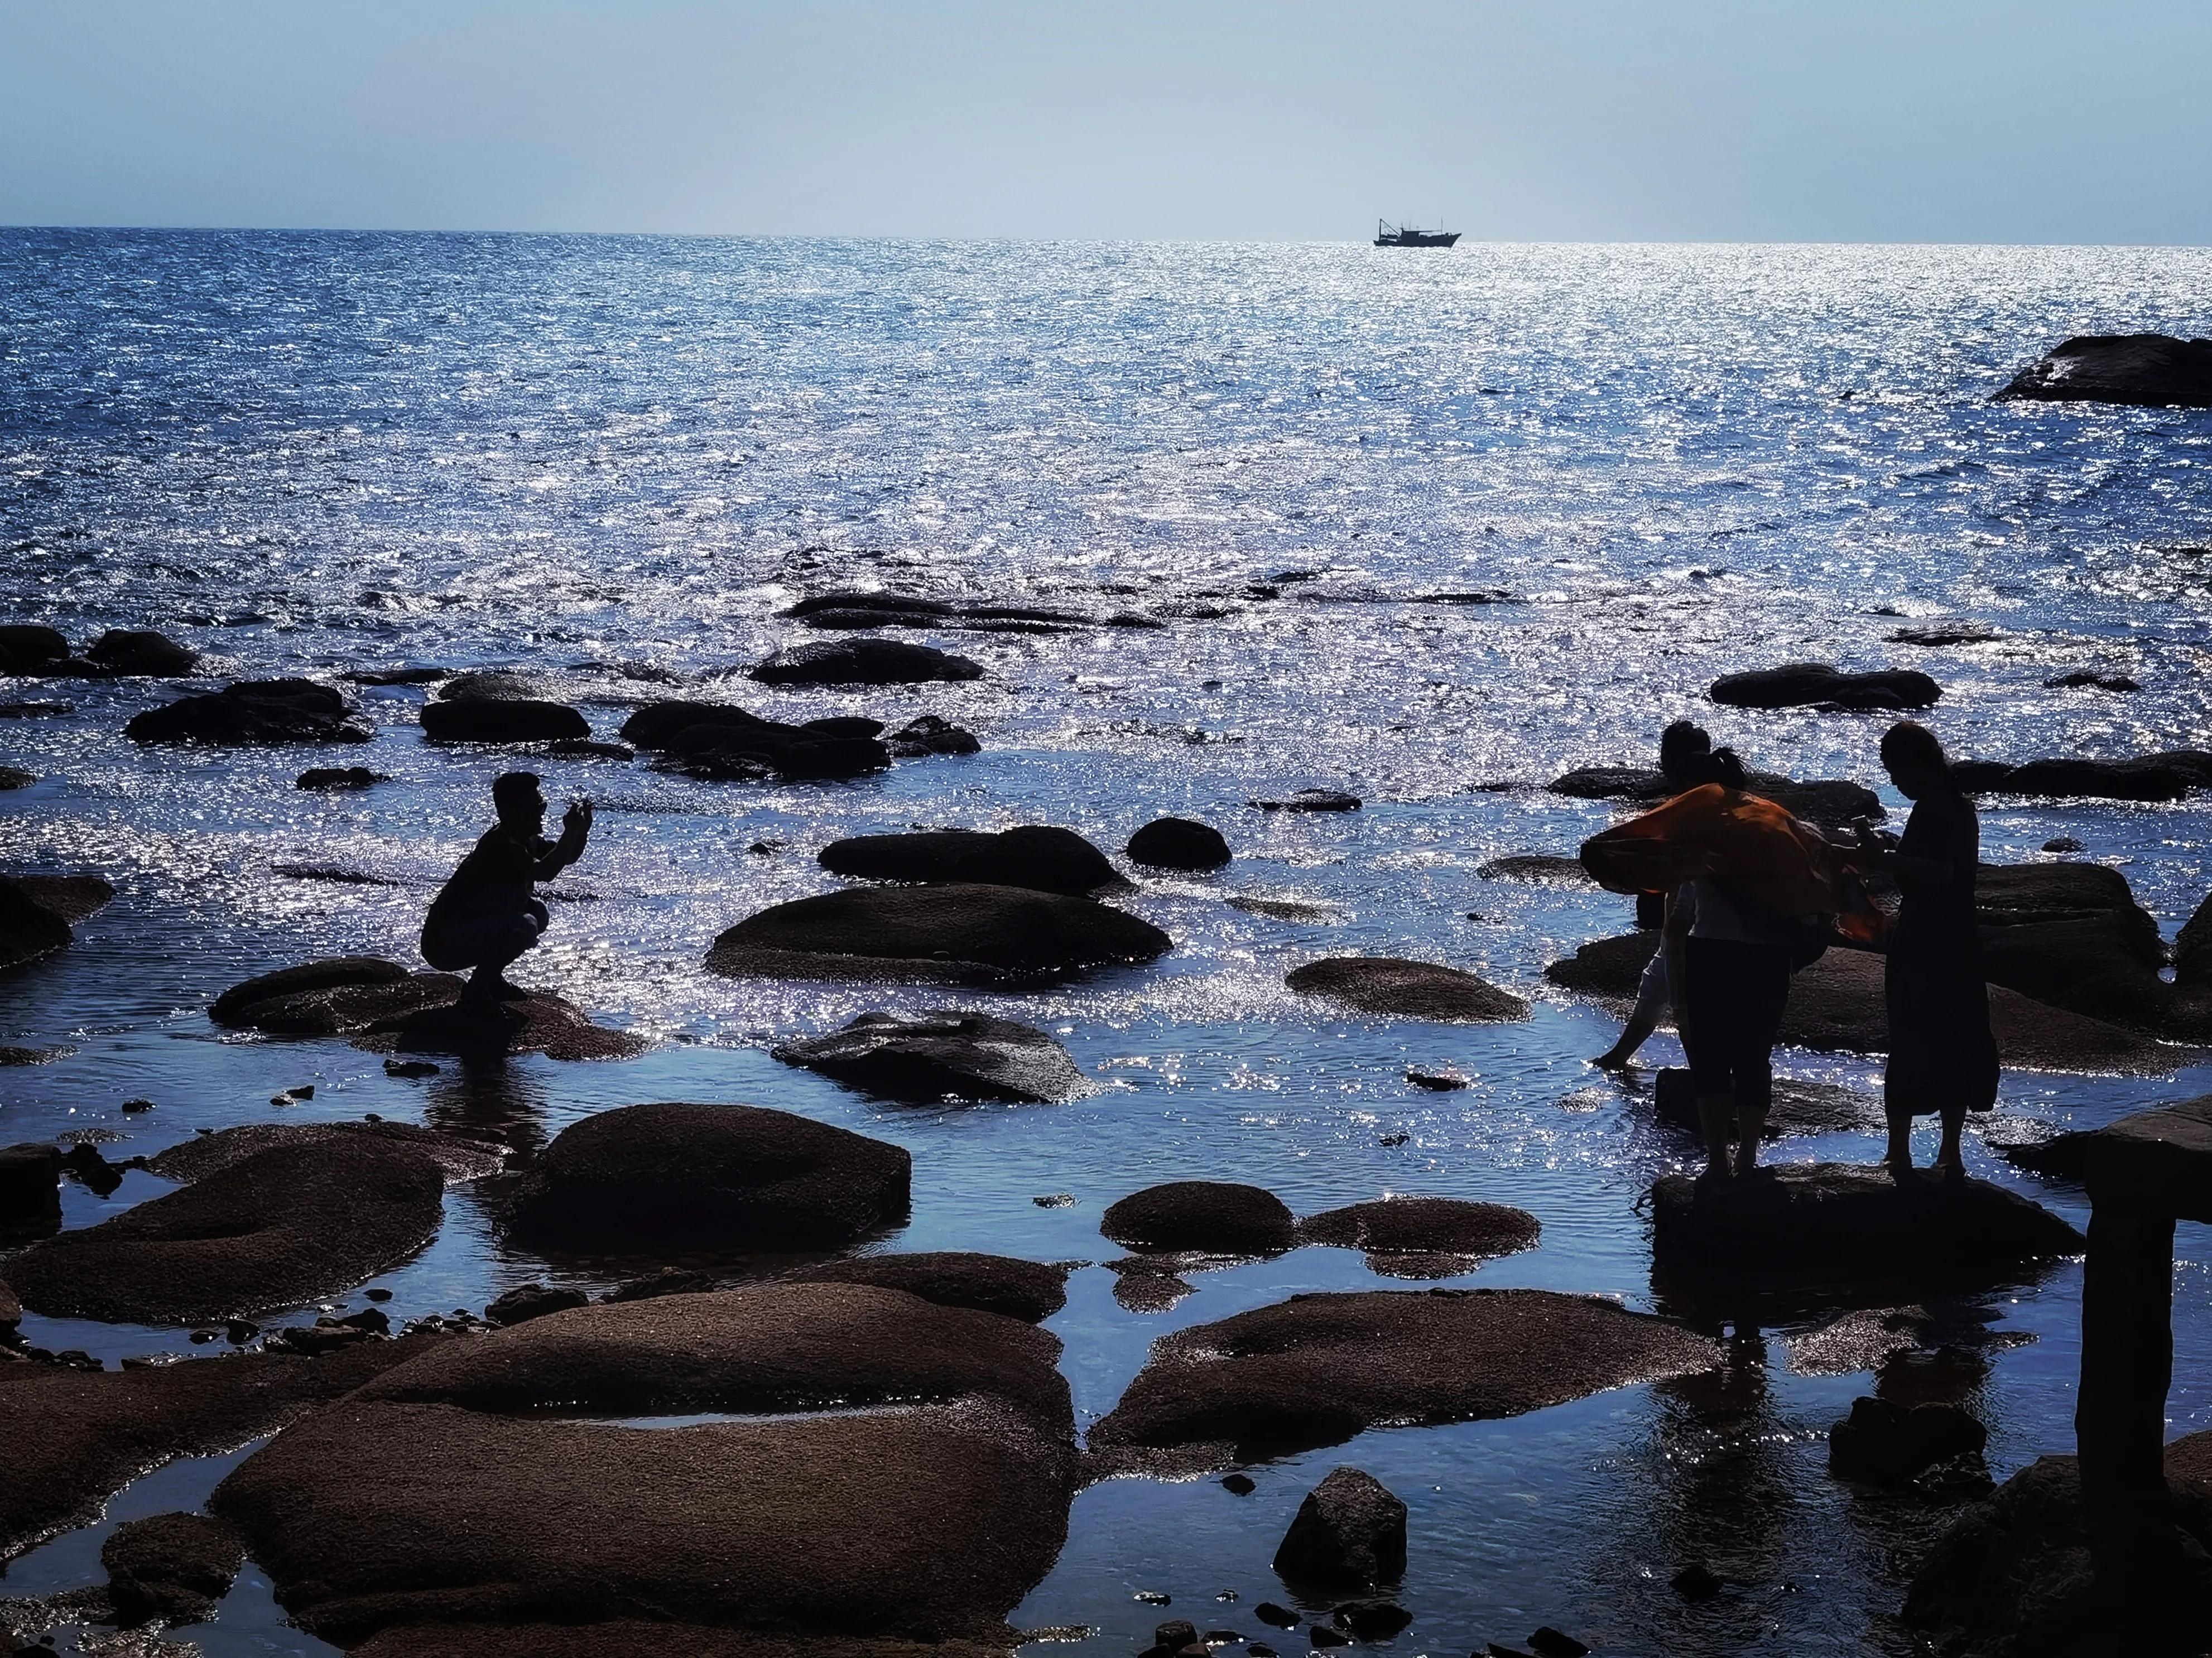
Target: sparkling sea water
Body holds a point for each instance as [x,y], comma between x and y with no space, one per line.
[613,460]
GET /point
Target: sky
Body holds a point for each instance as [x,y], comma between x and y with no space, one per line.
[1733,120]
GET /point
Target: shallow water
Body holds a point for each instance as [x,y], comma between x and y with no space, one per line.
[613,459]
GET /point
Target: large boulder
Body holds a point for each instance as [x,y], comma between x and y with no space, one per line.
[863,662]
[38,912]
[172,1567]
[1349,1534]
[1424,1237]
[1181,843]
[943,1055]
[1030,1290]
[2152,370]
[140,654]
[1037,856]
[1318,1368]
[1830,801]
[27,648]
[458,1159]
[720,742]
[254,711]
[1799,684]
[714,1176]
[1834,1222]
[273,1230]
[1212,1217]
[1410,990]
[75,1437]
[386,1009]
[503,720]
[906,1475]
[957,934]
[2073,935]
[340,993]
[2147,777]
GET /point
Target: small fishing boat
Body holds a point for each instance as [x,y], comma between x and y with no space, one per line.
[1397,235]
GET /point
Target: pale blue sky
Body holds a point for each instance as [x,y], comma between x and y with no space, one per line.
[1851,120]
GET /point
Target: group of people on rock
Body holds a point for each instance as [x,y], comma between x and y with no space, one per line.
[1724,961]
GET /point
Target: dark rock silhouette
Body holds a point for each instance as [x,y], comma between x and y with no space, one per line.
[1412,990]
[30,1191]
[38,912]
[459,1159]
[385,1009]
[333,779]
[1318,1368]
[925,1493]
[1609,967]
[1883,1443]
[2167,776]
[1847,1222]
[848,609]
[137,653]
[1349,1534]
[863,662]
[957,934]
[926,734]
[170,1568]
[1536,866]
[2082,678]
[2151,370]
[721,1177]
[1030,1290]
[1424,1237]
[1945,634]
[27,648]
[14,777]
[1311,800]
[254,713]
[1799,684]
[78,1437]
[1798,1107]
[939,1055]
[495,685]
[273,1229]
[528,1301]
[718,742]
[503,720]
[1037,856]
[1830,801]
[1180,843]
[1204,1218]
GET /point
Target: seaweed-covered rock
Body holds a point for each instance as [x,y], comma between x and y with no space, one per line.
[1317,1369]
[1202,1216]
[941,1055]
[727,1176]
[909,1480]
[1798,685]
[140,654]
[863,662]
[955,934]
[1424,1237]
[1030,1290]
[1040,857]
[1828,1220]
[273,1230]
[1411,990]
[2151,370]
[1181,843]
[1349,1534]
[501,719]
[172,1567]
[254,713]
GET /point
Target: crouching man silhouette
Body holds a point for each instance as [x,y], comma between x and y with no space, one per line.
[486,914]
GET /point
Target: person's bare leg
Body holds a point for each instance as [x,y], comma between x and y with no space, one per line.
[1754,1094]
[1899,1155]
[1715,1112]
[1633,1035]
[1950,1162]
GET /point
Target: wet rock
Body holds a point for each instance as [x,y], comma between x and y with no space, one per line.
[1541,867]
[140,653]
[1424,1237]
[1176,1633]
[851,609]
[26,648]
[1203,1217]
[726,1176]
[1815,1221]
[83,1164]
[1549,1643]
[668,1281]
[1282,909]
[1239,1485]
[2062,1156]
[1318,1368]
[33,710]
[1696,1583]
[1882,1444]
[1826,801]
[495,686]
[1030,1290]
[2151,777]
[329,998]
[1322,1635]
[1607,967]
[502,720]
[345,877]
[2151,370]
[1964,633]
[1180,843]
[528,1301]
[535,1023]
[1438,1082]
[927,734]
[957,934]
[1799,684]
[254,713]
[10,1055]
[2082,678]
[416,676]
[336,780]
[1798,1107]
[1267,1611]
[1350,1533]
[11,1313]
[38,912]
[1038,857]
[14,777]
[1411,990]
[864,662]
[940,1055]
[2072,935]
[276,1229]
[30,1191]
[1311,800]
[171,1568]
[1149,1284]
[717,742]
[76,1436]
[1371,1620]
[921,1494]
[2061,843]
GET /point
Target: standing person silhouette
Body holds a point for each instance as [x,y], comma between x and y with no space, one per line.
[1683,747]
[486,914]
[1942,1056]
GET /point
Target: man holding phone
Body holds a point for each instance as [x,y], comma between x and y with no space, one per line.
[486,915]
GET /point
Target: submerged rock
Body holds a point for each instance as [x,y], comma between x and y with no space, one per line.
[1036,856]
[1414,990]
[1821,1220]
[1318,1368]
[921,1489]
[503,720]
[273,1229]
[140,654]
[1883,1443]
[955,934]
[1424,1237]
[944,1055]
[1030,1290]
[254,713]
[1181,843]
[14,777]
[718,1177]
[1799,685]
[1202,1216]
[171,1568]
[1311,800]
[332,779]
[2150,370]
[1349,1534]
[864,662]
[849,608]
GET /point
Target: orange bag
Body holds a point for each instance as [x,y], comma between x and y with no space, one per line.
[1754,848]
